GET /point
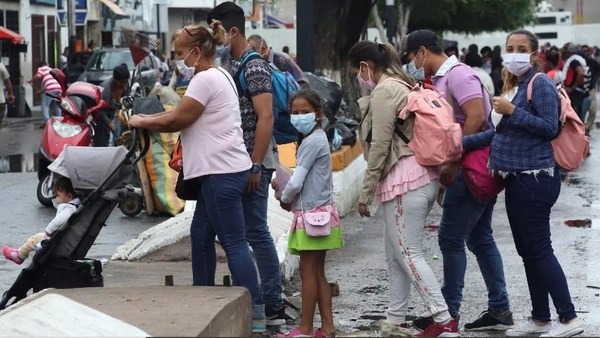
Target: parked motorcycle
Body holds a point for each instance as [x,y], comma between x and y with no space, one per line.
[79,104]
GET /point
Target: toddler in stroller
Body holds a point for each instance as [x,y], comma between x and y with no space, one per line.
[98,175]
[67,204]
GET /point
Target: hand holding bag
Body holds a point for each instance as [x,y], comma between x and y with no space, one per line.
[481,182]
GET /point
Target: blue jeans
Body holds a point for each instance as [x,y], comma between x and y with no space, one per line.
[466,220]
[530,226]
[219,212]
[261,241]
[585,107]
[49,105]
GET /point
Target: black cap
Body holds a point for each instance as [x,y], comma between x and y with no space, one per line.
[121,72]
[416,39]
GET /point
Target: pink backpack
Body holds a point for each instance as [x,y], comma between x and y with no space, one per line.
[571,145]
[437,138]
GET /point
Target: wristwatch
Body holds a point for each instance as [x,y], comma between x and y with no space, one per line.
[255,168]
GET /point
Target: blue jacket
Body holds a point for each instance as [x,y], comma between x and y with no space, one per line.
[522,141]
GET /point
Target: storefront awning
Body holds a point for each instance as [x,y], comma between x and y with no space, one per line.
[114,7]
[7,34]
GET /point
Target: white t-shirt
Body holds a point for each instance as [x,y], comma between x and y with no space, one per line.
[510,95]
[214,144]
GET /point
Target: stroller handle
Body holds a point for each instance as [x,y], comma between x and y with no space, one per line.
[134,144]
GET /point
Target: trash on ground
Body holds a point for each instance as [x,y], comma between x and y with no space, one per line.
[579,223]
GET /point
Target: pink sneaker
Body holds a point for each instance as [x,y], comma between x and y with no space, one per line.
[295,332]
[12,255]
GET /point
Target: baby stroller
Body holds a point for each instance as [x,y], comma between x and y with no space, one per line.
[99,176]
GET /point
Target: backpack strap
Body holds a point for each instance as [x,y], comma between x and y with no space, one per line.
[238,75]
[530,86]
[562,117]
[489,123]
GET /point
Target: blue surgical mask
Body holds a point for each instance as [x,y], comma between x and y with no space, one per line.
[418,74]
[304,123]
[184,69]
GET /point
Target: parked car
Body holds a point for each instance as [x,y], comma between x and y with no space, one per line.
[76,65]
[103,61]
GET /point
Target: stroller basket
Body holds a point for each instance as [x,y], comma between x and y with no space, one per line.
[62,262]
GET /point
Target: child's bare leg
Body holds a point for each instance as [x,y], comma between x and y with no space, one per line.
[309,261]
[325,307]
[29,245]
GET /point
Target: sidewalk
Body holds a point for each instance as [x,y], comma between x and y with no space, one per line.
[36,117]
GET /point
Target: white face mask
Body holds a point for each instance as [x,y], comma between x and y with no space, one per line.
[184,69]
[517,63]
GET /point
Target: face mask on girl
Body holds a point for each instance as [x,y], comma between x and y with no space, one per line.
[304,123]
[517,63]
[368,85]
[184,69]
[411,68]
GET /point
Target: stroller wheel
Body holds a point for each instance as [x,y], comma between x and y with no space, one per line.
[132,205]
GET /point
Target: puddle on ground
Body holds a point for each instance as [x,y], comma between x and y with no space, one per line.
[20,163]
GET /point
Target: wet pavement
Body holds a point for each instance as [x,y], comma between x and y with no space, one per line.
[21,215]
[361,271]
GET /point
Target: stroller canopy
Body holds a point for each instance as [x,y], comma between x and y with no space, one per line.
[88,167]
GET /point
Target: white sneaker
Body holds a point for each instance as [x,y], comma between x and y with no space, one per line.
[529,328]
[572,328]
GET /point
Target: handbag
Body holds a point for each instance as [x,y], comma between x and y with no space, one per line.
[318,223]
[187,190]
[482,184]
[177,157]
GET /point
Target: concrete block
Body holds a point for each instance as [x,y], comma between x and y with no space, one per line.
[347,185]
[168,311]
[47,314]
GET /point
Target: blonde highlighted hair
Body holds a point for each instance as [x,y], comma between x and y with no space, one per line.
[207,39]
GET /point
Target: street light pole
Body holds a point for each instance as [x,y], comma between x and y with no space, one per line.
[72,28]
[305,35]
[390,21]
[158,23]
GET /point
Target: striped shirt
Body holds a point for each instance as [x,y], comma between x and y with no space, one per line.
[48,82]
[522,141]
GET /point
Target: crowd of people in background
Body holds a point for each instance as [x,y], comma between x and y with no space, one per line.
[576,67]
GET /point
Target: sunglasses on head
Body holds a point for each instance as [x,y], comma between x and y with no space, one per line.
[184,29]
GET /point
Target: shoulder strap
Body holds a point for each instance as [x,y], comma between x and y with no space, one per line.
[530,86]
[448,90]
[238,75]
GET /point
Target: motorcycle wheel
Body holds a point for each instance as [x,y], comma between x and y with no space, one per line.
[44,193]
[132,205]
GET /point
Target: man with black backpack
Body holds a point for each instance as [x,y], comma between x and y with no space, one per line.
[256,106]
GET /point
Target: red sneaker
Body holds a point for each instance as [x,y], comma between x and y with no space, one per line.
[449,329]
[12,255]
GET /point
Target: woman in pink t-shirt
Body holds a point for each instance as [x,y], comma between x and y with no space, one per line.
[214,159]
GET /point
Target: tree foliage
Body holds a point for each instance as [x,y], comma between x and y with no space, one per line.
[470,16]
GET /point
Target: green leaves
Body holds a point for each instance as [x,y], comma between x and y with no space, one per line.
[468,16]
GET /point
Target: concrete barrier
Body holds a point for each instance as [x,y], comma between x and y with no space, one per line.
[47,314]
[169,241]
[137,311]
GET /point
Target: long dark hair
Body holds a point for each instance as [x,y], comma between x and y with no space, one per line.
[383,55]
[316,102]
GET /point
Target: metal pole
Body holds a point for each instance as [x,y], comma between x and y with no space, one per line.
[305,35]
[70,8]
[390,20]
[158,22]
